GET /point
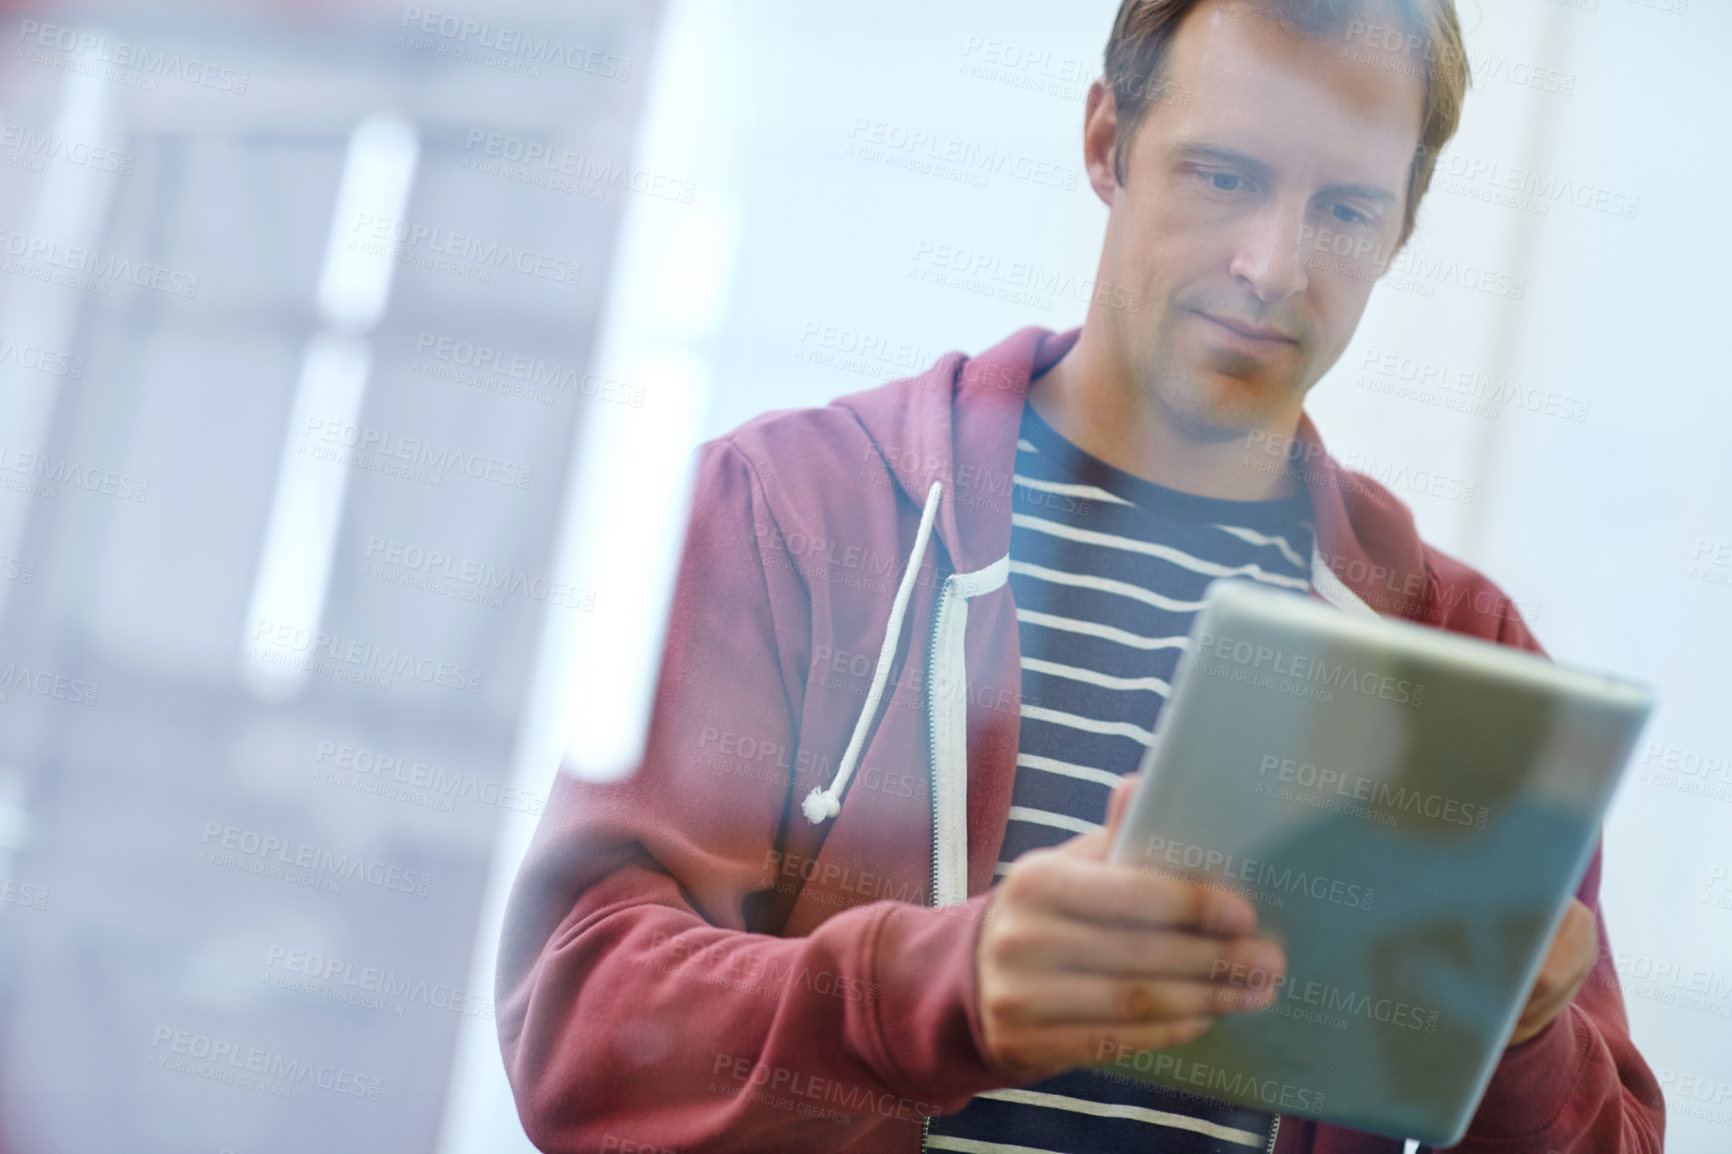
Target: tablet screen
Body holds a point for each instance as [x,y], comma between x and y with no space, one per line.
[1407,827]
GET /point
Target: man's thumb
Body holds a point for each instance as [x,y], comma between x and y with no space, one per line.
[1097,844]
[1119,803]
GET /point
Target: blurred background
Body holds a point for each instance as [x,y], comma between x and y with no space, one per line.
[350,358]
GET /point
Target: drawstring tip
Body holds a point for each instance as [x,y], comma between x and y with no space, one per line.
[820,806]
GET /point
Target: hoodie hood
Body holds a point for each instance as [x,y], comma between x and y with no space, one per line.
[970,408]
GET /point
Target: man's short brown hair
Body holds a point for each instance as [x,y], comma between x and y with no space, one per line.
[1421,35]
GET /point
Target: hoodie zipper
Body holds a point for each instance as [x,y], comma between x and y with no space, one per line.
[932,772]
[932,758]
[1273,1131]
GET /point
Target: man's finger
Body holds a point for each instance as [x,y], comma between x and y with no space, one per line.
[1568,962]
[1125,895]
[1096,999]
[1055,943]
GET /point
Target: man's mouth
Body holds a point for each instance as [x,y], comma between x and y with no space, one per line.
[1247,330]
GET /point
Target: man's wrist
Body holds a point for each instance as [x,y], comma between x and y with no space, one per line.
[1540,1032]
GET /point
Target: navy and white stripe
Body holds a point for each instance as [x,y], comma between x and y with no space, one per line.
[1108,571]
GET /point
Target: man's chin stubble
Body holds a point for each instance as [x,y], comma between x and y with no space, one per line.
[1199,417]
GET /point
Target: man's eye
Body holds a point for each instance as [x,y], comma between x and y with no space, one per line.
[1349,215]
[1226,181]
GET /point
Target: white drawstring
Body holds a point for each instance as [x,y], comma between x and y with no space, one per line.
[822,804]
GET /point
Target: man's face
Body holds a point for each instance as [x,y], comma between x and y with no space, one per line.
[1262,198]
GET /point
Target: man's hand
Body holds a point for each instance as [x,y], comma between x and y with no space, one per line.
[1078,956]
[1567,965]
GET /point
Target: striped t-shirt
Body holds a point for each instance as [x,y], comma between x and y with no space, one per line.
[1107,571]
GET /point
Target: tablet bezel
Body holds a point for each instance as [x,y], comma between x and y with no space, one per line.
[1246,611]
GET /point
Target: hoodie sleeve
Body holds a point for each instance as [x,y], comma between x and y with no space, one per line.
[636,1008]
[1579,1086]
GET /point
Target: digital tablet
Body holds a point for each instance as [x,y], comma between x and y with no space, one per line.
[1409,811]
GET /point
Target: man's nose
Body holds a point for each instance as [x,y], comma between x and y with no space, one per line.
[1269,259]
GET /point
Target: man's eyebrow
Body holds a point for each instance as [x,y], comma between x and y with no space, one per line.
[1219,154]
[1198,150]
[1371,192]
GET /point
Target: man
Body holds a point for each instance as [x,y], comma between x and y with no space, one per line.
[856,898]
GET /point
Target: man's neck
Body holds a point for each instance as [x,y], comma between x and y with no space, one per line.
[1094,405]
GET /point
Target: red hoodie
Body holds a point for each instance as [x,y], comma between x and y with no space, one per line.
[737,949]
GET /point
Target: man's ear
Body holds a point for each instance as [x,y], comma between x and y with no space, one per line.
[1100,132]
